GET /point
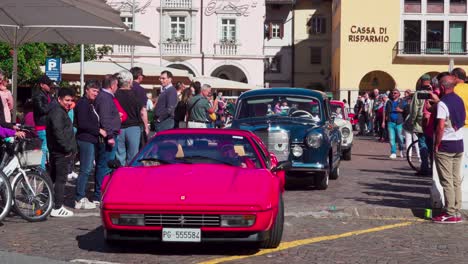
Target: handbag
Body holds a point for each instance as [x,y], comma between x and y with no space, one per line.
[212,117]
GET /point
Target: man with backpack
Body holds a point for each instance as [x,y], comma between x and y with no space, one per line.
[394,115]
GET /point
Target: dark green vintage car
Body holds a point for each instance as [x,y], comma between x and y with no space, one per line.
[295,124]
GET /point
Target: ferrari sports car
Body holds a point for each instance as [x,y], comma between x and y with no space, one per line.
[197,185]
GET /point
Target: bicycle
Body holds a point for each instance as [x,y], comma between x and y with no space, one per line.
[5,196]
[413,157]
[31,187]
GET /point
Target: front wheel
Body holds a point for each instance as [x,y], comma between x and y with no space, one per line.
[347,154]
[33,196]
[5,196]
[321,181]
[276,232]
[413,157]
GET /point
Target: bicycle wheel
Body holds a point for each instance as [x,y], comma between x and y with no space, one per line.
[413,157]
[5,196]
[33,196]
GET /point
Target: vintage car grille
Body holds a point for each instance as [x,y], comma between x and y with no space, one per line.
[277,142]
[182,220]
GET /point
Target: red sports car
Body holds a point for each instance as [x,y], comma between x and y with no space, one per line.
[197,185]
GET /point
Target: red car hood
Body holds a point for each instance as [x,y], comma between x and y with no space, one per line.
[192,185]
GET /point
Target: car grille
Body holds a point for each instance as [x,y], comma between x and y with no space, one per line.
[277,142]
[182,220]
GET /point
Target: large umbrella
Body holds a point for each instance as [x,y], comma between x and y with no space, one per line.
[62,21]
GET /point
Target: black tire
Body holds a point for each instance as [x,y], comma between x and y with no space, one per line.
[335,174]
[322,180]
[33,208]
[276,232]
[347,154]
[413,159]
[5,196]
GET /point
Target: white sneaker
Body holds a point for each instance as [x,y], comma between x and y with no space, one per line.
[61,212]
[97,203]
[84,203]
[393,156]
[401,154]
[72,175]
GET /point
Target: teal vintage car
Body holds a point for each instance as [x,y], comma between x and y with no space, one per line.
[297,125]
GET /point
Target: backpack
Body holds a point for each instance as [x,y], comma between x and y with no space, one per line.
[180,111]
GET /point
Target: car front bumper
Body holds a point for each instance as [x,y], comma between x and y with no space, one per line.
[308,167]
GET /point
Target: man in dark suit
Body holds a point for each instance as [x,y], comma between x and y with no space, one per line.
[164,111]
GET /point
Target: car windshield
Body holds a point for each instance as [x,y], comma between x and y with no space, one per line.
[198,149]
[336,110]
[286,106]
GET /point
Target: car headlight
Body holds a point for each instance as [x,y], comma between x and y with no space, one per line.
[314,140]
[297,151]
[345,132]
[237,220]
[128,219]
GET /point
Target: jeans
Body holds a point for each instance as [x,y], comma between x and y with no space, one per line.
[363,122]
[425,149]
[58,174]
[395,132]
[105,153]
[164,125]
[87,156]
[128,143]
[409,138]
[45,152]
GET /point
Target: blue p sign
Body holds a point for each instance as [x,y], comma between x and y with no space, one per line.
[53,69]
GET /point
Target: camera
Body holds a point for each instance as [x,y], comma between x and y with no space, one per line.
[424,96]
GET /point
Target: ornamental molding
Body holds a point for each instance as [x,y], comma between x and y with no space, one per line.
[126,6]
[229,7]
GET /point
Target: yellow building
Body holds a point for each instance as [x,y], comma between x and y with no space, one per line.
[383,43]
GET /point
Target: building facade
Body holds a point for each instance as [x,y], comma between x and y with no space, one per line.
[206,37]
[278,43]
[392,43]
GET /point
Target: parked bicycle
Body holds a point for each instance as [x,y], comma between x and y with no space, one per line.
[5,196]
[31,187]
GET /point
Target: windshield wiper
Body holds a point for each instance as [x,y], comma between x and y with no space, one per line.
[155,159]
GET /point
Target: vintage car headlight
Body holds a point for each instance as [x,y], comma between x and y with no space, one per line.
[128,219]
[237,220]
[297,151]
[345,132]
[314,140]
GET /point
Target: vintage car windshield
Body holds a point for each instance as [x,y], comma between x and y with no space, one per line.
[281,106]
[198,149]
[336,110]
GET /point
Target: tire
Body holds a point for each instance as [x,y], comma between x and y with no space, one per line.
[347,154]
[33,207]
[321,181]
[413,159]
[335,174]
[5,196]
[276,232]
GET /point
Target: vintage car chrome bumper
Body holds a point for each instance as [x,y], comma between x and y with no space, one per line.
[310,167]
[346,145]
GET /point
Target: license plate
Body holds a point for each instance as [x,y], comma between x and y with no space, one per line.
[181,235]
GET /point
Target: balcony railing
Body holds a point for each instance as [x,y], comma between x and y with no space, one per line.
[177,4]
[430,48]
[224,48]
[121,49]
[179,48]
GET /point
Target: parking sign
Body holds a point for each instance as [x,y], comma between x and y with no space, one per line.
[53,69]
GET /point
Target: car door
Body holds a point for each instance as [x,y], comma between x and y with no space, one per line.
[334,134]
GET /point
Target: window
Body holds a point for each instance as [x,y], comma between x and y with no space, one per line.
[274,30]
[178,28]
[317,25]
[273,65]
[412,6]
[458,6]
[228,30]
[435,36]
[315,55]
[128,21]
[435,6]
[412,37]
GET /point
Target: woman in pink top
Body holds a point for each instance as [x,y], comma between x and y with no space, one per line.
[7,100]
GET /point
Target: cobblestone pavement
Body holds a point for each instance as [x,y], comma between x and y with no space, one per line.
[369,215]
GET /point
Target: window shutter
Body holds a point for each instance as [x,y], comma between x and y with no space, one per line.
[270,30]
[281,30]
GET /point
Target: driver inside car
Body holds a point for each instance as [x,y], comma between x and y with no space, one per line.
[165,153]
[229,153]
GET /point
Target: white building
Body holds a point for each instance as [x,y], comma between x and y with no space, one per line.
[278,43]
[217,38]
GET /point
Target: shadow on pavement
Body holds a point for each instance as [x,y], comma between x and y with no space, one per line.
[390,171]
[94,241]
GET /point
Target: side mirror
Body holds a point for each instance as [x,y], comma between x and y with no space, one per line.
[114,164]
[283,165]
